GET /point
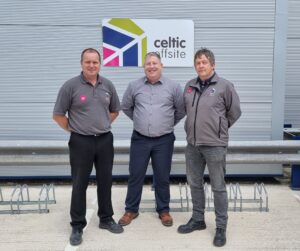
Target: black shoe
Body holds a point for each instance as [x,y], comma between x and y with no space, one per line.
[111,226]
[76,237]
[220,237]
[191,226]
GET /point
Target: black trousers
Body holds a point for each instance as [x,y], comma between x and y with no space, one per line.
[86,151]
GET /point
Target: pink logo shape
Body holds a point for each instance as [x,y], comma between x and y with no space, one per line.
[107,52]
[189,90]
[83,98]
[114,61]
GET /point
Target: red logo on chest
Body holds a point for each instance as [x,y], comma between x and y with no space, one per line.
[189,90]
[82,98]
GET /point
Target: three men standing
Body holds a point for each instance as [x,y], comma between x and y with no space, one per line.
[155,104]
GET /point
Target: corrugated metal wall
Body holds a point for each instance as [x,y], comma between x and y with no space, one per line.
[41,42]
[292,95]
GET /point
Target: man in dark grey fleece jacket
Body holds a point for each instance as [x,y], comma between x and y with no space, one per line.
[212,107]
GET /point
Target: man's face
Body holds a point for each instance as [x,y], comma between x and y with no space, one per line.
[90,64]
[152,68]
[203,67]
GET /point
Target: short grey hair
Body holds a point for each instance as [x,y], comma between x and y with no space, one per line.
[152,54]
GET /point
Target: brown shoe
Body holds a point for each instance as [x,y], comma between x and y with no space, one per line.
[127,218]
[166,219]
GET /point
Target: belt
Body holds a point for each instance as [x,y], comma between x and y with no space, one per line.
[156,137]
[92,135]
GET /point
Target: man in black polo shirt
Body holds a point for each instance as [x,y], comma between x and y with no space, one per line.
[91,104]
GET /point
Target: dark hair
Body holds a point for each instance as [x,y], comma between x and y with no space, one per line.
[90,50]
[207,53]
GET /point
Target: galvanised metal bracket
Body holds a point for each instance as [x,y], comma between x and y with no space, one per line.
[181,204]
[20,202]
[236,201]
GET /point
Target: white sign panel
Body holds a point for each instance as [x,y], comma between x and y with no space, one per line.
[126,41]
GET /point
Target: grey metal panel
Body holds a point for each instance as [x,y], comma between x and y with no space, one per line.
[294,19]
[32,121]
[44,58]
[254,124]
[281,24]
[248,170]
[243,56]
[217,13]
[41,43]
[292,97]
[292,92]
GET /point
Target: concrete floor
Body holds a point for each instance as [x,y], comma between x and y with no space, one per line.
[278,229]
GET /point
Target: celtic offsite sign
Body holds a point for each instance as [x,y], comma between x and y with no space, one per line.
[126,41]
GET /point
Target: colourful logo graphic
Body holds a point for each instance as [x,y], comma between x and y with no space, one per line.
[124,43]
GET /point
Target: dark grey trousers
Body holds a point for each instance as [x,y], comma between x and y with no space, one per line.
[215,159]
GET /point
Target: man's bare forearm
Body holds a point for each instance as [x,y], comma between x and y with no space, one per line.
[62,121]
[113,116]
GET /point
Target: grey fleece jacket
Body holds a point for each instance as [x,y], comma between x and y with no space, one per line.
[211,114]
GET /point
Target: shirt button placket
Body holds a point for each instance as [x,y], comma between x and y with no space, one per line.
[151,108]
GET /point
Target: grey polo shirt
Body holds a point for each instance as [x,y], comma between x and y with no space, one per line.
[154,108]
[88,106]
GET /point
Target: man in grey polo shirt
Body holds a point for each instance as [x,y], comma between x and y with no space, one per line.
[155,104]
[91,104]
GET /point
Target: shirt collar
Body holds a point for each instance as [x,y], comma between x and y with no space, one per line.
[207,81]
[213,80]
[83,80]
[160,81]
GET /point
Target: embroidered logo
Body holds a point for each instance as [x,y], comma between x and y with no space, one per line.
[82,98]
[212,92]
[107,96]
[189,90]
